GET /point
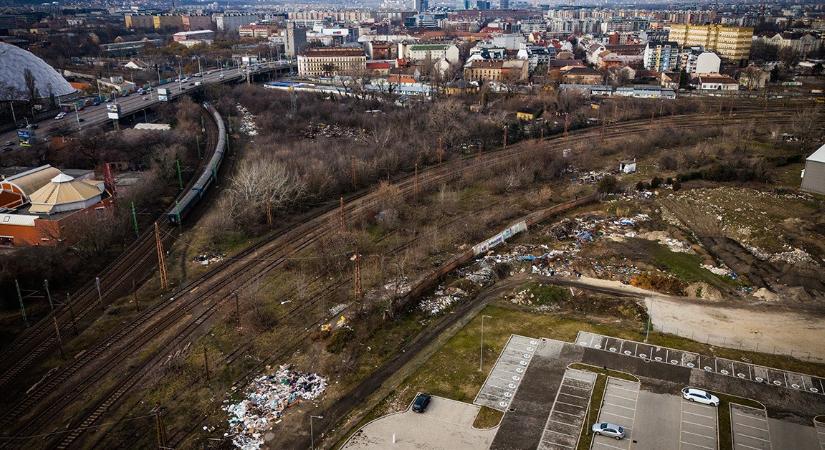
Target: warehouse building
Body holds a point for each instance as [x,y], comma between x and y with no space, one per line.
[813,176]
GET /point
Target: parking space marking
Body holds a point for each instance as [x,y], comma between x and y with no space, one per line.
[563,428]
[749,427]
[735,369]
[697,425]
[624,391]
[505,377]
[820,433]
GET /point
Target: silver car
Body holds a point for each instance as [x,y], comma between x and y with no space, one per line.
[608,429]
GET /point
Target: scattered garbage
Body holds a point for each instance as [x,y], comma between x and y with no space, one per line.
[206,259]
[721,270]
[248,125]
[267,398]
[441,300]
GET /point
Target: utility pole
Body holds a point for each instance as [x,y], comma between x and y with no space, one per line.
[311,432]
[54,319]
[99,294]
[160,431]
[205,364]
[481,360]
[164,277]
[71,312]
[180,177]
[415,182]
[20,298]
[237,311]
[135,296]
[134,220]
[566,124]
[352,160]
[342,218]
[505,137]
[357,275]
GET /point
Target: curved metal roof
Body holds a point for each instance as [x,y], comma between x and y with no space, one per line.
[13,63]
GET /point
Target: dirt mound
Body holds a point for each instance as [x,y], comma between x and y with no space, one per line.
[703,291]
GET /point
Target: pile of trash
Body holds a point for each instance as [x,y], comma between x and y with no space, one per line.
[248,125]
[206,259]
[267,397]
[722,270]
[315,130]
[441,300]
[795,256]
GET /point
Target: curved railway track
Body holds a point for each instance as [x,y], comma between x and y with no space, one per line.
[132,266]
[201,298]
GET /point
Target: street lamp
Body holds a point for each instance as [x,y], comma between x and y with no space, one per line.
[311,433]
[481,360]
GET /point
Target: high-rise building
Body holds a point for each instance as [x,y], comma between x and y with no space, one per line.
[663,57]
[296,39]
[422,5]
[731,43]
[483,5]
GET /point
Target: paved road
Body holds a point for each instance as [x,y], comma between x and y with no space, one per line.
[95,115]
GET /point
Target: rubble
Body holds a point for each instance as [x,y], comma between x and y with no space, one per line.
[722,270]
[206,259]
[315,130]
[267,397]
[441,300]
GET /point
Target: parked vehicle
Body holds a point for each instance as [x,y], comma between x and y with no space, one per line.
[60,115]
[700,396]
[608,429]
[421,402]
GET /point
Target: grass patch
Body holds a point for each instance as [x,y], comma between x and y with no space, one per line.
[723,414]
[687,267]
[487,418]
[548,294]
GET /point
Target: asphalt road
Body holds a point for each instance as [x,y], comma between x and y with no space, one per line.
[96,115]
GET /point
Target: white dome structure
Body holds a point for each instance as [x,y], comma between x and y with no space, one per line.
[13,63]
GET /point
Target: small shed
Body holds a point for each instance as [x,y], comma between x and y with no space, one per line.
[813,176]
[627,166]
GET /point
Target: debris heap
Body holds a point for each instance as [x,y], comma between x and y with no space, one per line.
[266,399]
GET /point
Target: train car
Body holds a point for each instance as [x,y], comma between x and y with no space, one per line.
[210,172]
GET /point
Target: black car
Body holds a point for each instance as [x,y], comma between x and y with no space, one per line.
[421,402]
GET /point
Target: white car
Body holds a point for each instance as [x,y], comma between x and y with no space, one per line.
[700,396]
[59,116]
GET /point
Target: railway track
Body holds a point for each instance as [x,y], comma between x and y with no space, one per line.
[202,297]
[131,268]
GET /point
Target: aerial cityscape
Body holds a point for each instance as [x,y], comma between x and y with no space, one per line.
[412,224]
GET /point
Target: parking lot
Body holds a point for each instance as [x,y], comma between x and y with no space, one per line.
[565,421]
[697,427]
[750,428]
[618,407]
[504,379]
[722,366]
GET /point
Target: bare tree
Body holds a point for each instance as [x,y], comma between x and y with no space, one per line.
[263,184]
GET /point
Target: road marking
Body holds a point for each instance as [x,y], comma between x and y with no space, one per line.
[618,406]
[573,395]
[748,446]
[623,398]
[699,424]
[704,436]
[753,437]
[608,445]
[619,415]
[749,426]
[562,423]
[696,445]
[570,404]
[697,414]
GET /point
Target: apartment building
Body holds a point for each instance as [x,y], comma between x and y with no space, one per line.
[663,57]
[317,62]
[731,43]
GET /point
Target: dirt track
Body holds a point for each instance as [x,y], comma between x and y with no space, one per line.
[726,324]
